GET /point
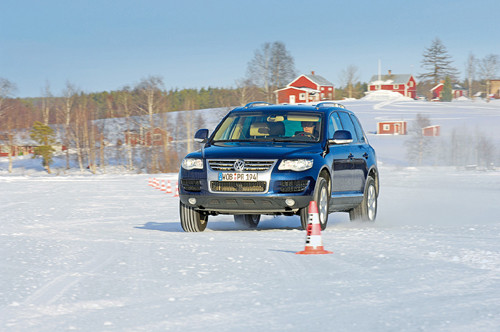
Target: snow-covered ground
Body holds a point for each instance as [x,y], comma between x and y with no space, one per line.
[107,253]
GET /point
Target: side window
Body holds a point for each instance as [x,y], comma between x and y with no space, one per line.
[333,124]
[359,129]
[347,124]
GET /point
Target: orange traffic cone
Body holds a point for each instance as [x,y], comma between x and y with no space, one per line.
[162,188]
[176,189]
[314,244]
[169,187]
[157,184]
[150,182]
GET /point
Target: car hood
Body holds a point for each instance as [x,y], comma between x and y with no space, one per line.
[270,150]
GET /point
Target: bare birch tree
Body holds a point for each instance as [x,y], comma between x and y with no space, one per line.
[124,103]
[46,103]
[7,90]
[418,146]
[69,95]
[470,70]
[271,68]
[245,91]
[349,77]
[149,90]
[488,68]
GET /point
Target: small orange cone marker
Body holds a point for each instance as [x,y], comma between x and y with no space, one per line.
[169,187]
[314,245]
[150,182]
[162,188]
[176,189]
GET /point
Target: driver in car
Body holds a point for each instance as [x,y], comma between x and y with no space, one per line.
[308,129]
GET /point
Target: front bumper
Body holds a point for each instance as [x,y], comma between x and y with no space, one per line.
[204,190]
[238,204]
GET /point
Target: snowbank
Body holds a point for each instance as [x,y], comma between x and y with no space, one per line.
[382,95]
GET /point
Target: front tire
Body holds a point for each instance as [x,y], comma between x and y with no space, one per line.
[322,199]
[367,209]
[247,220]
[192,220]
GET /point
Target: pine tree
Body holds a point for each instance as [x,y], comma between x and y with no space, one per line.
[447,94]
[437,63]
[45,136]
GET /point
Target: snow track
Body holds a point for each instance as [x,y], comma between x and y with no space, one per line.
[108,253]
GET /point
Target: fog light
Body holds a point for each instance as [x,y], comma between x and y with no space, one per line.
[192,201]
[289,202]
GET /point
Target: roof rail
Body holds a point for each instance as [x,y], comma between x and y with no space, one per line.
[329,104]
[256,103]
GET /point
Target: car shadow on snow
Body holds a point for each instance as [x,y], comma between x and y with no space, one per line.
[161,226]
[219,226]
[268,223]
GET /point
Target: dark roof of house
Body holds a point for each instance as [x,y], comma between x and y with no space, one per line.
[391,79]
[320,80]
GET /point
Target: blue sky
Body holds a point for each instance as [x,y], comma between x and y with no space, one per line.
[105,45]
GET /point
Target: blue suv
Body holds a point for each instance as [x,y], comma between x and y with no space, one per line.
[274,160]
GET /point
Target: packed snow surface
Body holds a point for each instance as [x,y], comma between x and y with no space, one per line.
[83,252]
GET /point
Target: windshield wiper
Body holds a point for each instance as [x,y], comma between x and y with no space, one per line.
[231,140]
[285,140]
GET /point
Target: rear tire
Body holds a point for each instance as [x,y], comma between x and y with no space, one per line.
[367,209]
[247,220]
[192,220]
[322,199]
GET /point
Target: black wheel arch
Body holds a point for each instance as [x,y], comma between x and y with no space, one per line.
[373,173]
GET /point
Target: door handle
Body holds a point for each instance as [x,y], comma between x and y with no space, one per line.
[365,155]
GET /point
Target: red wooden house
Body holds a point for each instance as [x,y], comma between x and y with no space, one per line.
[145,137]
[456,91]
[431,130]
[15,150]
[405,84]
[392,128]
[306,88]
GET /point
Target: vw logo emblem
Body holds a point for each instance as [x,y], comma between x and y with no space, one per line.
[239,165]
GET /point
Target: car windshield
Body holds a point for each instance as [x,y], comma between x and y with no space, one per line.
[283,126]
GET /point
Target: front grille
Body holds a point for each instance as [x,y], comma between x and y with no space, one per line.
[259,186]
[191,185]
[293,186]
[250,165]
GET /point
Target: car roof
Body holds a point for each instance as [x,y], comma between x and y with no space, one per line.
[324,107]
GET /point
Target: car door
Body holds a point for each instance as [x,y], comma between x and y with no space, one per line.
[357,151]
[339,154]
[360,156]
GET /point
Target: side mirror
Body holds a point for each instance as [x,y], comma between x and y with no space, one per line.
[341,137]
[201,135]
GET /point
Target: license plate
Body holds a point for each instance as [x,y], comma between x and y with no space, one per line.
[243,177]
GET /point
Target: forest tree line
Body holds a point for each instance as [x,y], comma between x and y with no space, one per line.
[74,112]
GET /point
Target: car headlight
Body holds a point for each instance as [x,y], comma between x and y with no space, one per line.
[192,163]
[295,164]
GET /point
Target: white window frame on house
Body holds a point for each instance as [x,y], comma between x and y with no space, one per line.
[396,86]
[302,96]
[386,127]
